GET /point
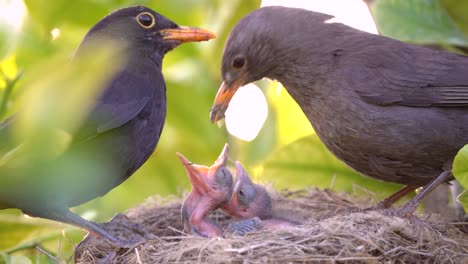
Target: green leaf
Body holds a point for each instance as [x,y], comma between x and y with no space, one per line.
[462,198]
[6,39]
[53,13]
[307,162]
[19,232]
[458,11]
[16,260]
[45,92]
[460,167]
[416,21]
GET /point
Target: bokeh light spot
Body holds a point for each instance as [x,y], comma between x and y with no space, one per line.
[247,112]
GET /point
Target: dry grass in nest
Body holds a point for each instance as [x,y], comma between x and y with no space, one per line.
[345,237]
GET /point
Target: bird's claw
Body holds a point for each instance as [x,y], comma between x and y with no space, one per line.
[123,221]
[120,224]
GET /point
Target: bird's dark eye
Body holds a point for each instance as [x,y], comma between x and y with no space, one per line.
[241,193]
[238,62]
[145,19]
[246,194]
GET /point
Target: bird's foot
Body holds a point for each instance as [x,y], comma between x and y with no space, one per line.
[245,226]
[120,232]
[377,207]
[344,211]
[395,212]
[123,221]
[405,214]
[114,232]
[389,201]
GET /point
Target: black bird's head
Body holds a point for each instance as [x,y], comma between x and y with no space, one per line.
[142,29]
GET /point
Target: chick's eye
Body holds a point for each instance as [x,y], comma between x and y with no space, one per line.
[238,62]
[145,20]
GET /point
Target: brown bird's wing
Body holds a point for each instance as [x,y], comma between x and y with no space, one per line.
[409,75]
[124,100]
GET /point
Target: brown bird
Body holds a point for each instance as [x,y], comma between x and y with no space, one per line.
[390,110]
[211,189]
[250,201]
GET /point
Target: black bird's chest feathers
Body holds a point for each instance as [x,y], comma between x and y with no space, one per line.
[129,116]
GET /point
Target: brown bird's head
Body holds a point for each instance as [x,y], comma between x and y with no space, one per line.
[262,44]
[248,199]
[213,183]
[142,29]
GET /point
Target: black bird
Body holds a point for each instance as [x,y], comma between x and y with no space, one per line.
[390,110]
[122,129]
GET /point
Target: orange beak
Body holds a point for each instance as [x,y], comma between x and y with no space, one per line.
[187,34]
[201,176]
[222,99]
[196,174]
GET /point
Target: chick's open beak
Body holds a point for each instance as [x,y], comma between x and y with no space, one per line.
[223,157]
[187,34]
[201,177]
[198,175]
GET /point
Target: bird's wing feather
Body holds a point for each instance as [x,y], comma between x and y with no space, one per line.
[119,104]
[413,76]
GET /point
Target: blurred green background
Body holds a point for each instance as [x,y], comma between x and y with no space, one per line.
[286,153]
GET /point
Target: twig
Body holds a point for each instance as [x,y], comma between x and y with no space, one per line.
[43,251]
[246,249]
[177,231]
[204,247]
[138,256]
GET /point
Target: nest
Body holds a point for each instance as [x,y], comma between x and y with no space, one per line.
[335,231]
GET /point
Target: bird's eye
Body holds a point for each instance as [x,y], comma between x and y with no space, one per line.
[238,62]
[145,19]
[241,193]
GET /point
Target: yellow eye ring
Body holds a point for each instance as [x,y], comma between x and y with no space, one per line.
[145,19]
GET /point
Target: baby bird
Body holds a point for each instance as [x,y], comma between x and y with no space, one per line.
[211,189]
[252,206]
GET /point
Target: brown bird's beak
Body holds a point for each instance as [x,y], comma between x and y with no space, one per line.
[201,177]
[187,34]
[222,99]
